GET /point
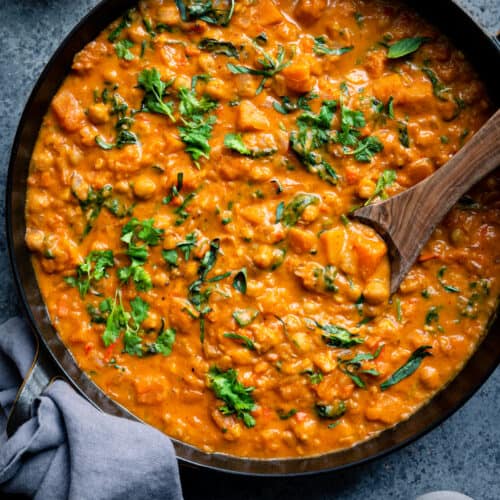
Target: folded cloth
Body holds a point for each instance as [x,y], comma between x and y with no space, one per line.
[69,449]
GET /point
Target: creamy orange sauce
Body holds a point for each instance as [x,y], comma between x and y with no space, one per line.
[305,266]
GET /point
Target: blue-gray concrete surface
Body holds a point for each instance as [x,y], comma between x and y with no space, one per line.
[462,454]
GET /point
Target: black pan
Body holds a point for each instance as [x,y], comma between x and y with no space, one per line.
[482,50]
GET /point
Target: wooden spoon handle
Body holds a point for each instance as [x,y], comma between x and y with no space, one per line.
[408,219]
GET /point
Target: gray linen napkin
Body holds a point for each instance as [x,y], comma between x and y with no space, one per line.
[68,449]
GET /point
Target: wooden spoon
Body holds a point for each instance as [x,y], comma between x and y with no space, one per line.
[407,220]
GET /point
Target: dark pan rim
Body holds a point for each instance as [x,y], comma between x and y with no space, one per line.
[443,404]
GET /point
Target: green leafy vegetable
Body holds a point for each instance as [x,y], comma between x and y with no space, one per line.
[288,106]
[448,288]
[279,211]
[367,148]
[133,232]
[235,142]
[164,342]
[218,47]
[333,411]
[155,90]
[95,201]
[404,138]
[122,49]
[432,315]
[438,87]
[91,270]
[286,415]
[198,297]
[212,12]
[338,336]
[270,66]
[295,208]
[125,22]
[237,397]
[240,281]
[197,128]
[247,342]
[470,307]
[405,46]
[352,367]
[314,377]
[312,134]
[245,316]
[408,368]
[321,47]
[386,179]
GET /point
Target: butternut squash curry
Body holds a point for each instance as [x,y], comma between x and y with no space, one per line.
[188,213]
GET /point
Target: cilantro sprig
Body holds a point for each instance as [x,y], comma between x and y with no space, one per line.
[270,66]
[312,134]
[321,47]
[155,90]
[235,143]
[91,270]
[237,397]
[338,336]
[132,233]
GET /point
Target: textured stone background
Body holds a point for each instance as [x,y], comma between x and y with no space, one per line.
[462,454]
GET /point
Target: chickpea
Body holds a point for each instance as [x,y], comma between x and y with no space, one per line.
[429,376]
[311,213]
[457,237]
[35,239]
[144,187]
[122,187]
[366,188]
[182,81]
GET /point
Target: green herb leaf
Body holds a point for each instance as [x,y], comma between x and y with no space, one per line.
[219,13]
[286,415]
[338,336]
[218,47]
[237,397]
[386,179]
[125,22]
[247,342]
[245,316]
[321,47]
[288,106]
[432,315]
[438,87]
[408,368]
[235,142]
[122,49]
[333,411]
[270,66]
[103,144]
[170,257]
[295,208]
[279,211]
[155,90]
[405,46]
[448,288]
[404,138]
[367,148]
[164,342]
[240,281]
[92,270]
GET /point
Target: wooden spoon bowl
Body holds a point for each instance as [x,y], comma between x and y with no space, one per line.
[407,220]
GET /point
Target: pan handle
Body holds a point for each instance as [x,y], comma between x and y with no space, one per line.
[42,372]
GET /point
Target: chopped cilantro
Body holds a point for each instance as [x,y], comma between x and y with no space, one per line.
[237,398]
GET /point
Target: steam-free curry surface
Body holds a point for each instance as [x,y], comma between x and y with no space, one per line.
[188,206]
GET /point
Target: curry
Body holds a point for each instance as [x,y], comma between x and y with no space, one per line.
[188,212]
